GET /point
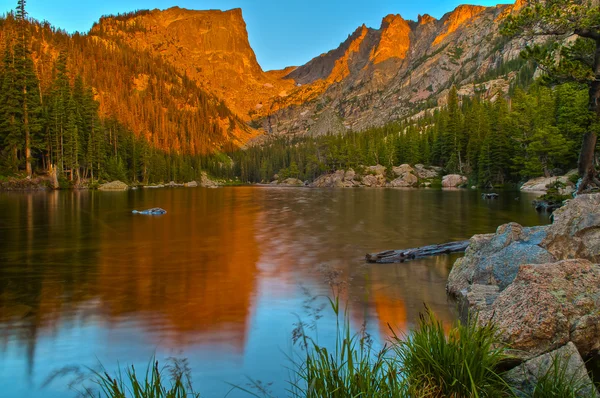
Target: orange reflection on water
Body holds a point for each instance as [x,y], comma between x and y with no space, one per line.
[192,273]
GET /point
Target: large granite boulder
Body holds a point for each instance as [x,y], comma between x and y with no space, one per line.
[206,182]
[374,181]
[406,177]
[453,180]
[114,186]
[191,184]
[564,360]
[494,259]
[547,306]
[399,171]
[425,173]
[293,182]
[339,179]
[540,184]
[575,231]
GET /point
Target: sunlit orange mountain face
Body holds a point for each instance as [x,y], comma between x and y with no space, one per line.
[188,81]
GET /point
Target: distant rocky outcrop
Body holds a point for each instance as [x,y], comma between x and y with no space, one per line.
[292,182]
[406,176]
[453,181]
[191,184]
[114,186]
[427,172]
[339,179]
[540,184]
[539,285]
[206,182]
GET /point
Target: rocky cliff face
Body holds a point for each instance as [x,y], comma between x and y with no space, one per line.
[210,47]
[391,70]
[374,76]
[199,65]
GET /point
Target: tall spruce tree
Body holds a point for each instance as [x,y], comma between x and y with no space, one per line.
[28,85]
[563,61]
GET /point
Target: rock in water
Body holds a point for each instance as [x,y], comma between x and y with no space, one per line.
[490,195]
[113,186]
[156,211]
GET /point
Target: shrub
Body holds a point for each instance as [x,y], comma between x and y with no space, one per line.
[463,363]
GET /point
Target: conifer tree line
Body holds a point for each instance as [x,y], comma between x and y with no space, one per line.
[535,132]
[50,115]
[170,130]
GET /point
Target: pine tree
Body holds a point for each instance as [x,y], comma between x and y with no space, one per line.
[28,85]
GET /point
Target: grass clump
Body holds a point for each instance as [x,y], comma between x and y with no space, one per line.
[353,368]
[461,363]
[170,381]
[559,382]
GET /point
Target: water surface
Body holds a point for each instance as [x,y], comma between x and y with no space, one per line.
[221,279]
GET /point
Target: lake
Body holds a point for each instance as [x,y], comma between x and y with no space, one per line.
[221,279]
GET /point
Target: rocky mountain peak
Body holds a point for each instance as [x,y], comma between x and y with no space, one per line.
[425,19]
[394,41]
[455,19]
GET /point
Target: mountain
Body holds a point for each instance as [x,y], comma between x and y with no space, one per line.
[378,75]
[210,47]
[188,81]
[140,91]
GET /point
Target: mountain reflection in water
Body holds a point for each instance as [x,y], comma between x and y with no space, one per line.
[220,279]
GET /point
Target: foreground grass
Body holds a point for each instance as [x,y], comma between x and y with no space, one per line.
[463,362]
[171,381]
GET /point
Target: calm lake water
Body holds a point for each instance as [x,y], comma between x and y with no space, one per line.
[221,279]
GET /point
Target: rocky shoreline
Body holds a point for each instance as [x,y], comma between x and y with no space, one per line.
[540,286]
[378,176]
[46,183]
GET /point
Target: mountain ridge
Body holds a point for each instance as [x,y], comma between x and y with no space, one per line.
[374,76]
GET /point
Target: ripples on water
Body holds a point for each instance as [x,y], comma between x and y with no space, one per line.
[220,279]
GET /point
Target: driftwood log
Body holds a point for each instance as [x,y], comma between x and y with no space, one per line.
[400,256]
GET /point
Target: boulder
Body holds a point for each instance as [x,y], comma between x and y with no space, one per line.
[453,180]
[399,171]
[407,180]
[294,182]
[494,259]
[565,359]
[191,184]
[113,186]
[575,231]
[548,305]
[405,175]
[424,172]
[540,184]
[206,182]
[349,175]
[331,180]
[376,170]
[374,180]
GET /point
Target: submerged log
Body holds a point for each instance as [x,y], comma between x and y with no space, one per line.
[400,256]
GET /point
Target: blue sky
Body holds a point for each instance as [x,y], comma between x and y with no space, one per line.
[282,32]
